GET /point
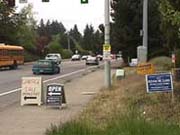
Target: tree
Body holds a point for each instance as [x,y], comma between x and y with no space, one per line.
[8,24]
[75,37]
[26,33]
[56,28]
[98,42]
[54,46]
[88,38]
[170,25]
[127,23]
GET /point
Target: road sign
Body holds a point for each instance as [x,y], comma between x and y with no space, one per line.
[107,52]
[120,73]
[31,92]
[106,47]
[159,82]
[55,95]
[145,68]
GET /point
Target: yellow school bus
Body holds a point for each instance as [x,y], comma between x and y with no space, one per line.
[11,56]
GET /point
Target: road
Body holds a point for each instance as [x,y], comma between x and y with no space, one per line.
[10,80]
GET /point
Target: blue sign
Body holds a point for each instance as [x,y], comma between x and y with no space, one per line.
[159,82]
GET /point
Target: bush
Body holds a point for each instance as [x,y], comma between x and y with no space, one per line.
[67,54]
[163,62]
[28,57]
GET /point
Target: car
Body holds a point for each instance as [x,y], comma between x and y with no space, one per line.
[46,66]
[76,57]
[84,57]
[92,60]
[134,62]
[100,57]
[113,56]
[55,57]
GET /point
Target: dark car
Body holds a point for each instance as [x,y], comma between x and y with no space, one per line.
[46,66]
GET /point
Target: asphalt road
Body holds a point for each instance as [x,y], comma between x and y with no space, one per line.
[10,80]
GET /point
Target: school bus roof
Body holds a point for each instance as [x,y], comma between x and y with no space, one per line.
[11,47]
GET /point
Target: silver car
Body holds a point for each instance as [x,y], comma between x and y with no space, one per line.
[92,60]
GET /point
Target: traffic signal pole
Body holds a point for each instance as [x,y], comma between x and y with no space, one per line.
[107,64]
[145,26]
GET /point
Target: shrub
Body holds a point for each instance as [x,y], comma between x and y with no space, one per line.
[28,57]
[67,53]
[162,63]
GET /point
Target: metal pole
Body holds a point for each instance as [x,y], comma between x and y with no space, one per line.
[69,43]
[107,71]
[145,26]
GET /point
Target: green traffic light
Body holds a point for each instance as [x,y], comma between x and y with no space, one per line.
[84,1]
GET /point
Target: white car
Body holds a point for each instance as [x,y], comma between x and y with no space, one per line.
[76,57]
[92,60]
[134,62]
[55,57]
[84,57]
[100,57]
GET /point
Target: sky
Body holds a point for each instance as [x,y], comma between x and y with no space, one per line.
[69,12]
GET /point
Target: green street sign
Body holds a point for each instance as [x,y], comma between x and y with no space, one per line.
[84,1]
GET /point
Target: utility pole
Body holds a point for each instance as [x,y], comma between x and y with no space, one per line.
[107,64]
[68,38]
[145,26]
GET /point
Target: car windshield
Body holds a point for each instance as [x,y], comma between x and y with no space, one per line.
[51,55]
[43,62]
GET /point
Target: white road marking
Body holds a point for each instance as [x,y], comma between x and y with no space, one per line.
[55,78]
[9,92]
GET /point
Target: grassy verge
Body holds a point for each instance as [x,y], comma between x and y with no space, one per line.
[127,109]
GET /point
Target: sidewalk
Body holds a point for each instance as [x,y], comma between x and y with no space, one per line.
[34,120]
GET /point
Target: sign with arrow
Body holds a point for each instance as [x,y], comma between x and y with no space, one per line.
[31,90]
[55,95]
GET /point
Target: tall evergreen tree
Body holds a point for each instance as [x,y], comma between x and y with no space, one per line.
[127,23]
[75,37]
[88,38]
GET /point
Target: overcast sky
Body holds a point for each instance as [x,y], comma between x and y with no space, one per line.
[69,12]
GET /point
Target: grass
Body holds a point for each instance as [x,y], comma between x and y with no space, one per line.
[127,109]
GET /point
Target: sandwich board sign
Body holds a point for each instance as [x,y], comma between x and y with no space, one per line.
[31,92]
[55,95]
[159,83]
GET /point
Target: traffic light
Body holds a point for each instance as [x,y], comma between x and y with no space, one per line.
[84,1]
[45,0]
[10,3]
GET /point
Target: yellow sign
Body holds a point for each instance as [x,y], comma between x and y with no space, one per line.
[106,48]
[145,68]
